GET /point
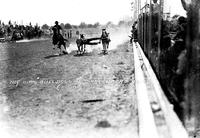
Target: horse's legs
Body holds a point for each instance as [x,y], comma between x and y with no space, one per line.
[79,49]
[84,49]
[59,46]
[107,45]
[64,44]
[54,48]
[65,51]
[104,46]
[78,46]
[60,50]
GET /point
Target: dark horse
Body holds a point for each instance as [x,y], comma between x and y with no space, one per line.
[59,40]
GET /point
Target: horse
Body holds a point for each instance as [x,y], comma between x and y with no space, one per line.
[60,41]
[81,44]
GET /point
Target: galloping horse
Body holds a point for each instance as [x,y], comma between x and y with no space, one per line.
[60,41]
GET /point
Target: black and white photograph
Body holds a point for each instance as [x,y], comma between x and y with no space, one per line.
[100,69]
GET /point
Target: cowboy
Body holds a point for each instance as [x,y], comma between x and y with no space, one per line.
[56,33]
[105,40]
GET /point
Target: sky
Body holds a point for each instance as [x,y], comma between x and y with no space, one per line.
[66,11]
[70,11]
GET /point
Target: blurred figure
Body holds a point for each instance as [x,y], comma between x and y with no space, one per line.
[77,32]
[156,7]
[182,27]
[165,36]
[179,44]
[177,63]
[134,33]
[105,40]
[135,37]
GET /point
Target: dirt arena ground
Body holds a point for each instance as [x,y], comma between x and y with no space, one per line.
[43,95]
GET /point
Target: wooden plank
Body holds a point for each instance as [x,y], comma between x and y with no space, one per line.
[147,127]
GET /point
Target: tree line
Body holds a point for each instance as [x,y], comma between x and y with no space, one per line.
[70,26]
[85,25]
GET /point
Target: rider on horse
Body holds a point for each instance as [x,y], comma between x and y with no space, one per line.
[58,39]
[56,33]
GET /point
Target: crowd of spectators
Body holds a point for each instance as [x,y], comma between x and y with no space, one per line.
[13,32]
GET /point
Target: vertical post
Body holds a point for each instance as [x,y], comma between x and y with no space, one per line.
[145,27]
[139,6]
[139,23]
[142,29]
[150,30]
[159,32]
